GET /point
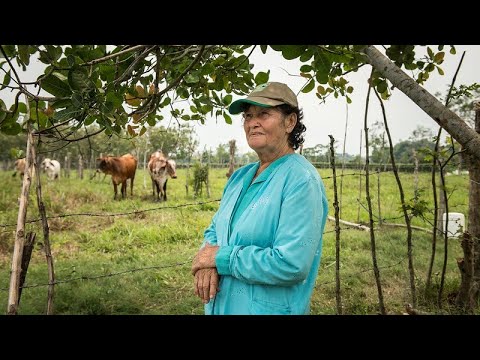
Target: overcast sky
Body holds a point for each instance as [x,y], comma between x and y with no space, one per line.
[329,118]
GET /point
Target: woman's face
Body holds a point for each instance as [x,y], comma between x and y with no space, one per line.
[265,129]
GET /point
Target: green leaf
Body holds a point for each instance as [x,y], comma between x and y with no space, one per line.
[307,55]
[262,77]
[22,108]
[192,79]
[115,98]
[440,71]
[78,79]
[309,87]
[263,48]
[61,104]
[321,77]
[77,100]
[6,80]
[65,114]
[227,100]
[3,112]
[24,54]
[430,52]
[306,68]
[290,52]
[53,85]
[71,60]
[11,128]
[89,120]
[207,69]
[227,118]
[9,50]
[166,102]
[382,87]
[151,121]
[349,89]
[452,50]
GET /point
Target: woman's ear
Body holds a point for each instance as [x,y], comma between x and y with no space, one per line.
[291,122]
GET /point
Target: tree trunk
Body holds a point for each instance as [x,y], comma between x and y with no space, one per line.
[468,294]
[444,117]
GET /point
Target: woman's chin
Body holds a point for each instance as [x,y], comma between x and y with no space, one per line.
[256,144]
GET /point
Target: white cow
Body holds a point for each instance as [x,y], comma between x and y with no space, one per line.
[52,168]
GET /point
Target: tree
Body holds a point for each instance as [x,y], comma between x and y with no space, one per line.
[123,89]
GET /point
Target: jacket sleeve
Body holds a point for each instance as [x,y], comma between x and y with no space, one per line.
[210,234]
[298,238]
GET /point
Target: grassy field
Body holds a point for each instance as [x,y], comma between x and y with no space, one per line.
[140,263]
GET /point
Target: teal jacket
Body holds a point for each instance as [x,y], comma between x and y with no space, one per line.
[269,261]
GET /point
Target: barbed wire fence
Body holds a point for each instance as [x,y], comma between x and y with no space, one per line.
[187,261]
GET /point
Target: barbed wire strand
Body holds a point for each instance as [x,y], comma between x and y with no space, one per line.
[116,214]
[94,277]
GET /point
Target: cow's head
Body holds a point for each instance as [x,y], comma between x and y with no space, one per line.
[103,163]
[46,163]
[158,166]
[171,168]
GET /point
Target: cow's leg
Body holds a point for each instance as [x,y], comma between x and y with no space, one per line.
[157,187]
[165,190]
[124,189]
[153,188]
[114,190]
[131,185]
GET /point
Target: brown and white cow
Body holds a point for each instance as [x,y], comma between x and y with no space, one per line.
[19,167]
[121,168]
[160,168]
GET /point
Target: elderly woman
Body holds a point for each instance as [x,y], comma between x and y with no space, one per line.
[261,252]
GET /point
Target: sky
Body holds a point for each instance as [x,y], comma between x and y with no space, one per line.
[329,118]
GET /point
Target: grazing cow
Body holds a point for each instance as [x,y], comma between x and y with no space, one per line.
[121,168]
[19,167]
[52,168]
[159,168]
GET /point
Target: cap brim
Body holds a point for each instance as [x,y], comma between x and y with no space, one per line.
[236,106]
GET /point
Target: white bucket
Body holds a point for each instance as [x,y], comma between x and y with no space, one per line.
[456,224]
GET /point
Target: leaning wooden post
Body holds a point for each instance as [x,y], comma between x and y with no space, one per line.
[231,167]
[80,167]
[26,256]
[46,241]
[338,293]
[469,291]
[13,293]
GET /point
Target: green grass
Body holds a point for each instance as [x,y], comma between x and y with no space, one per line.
[159,244]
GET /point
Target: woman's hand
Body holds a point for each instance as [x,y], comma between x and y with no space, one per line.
[205,258]
[206,284]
